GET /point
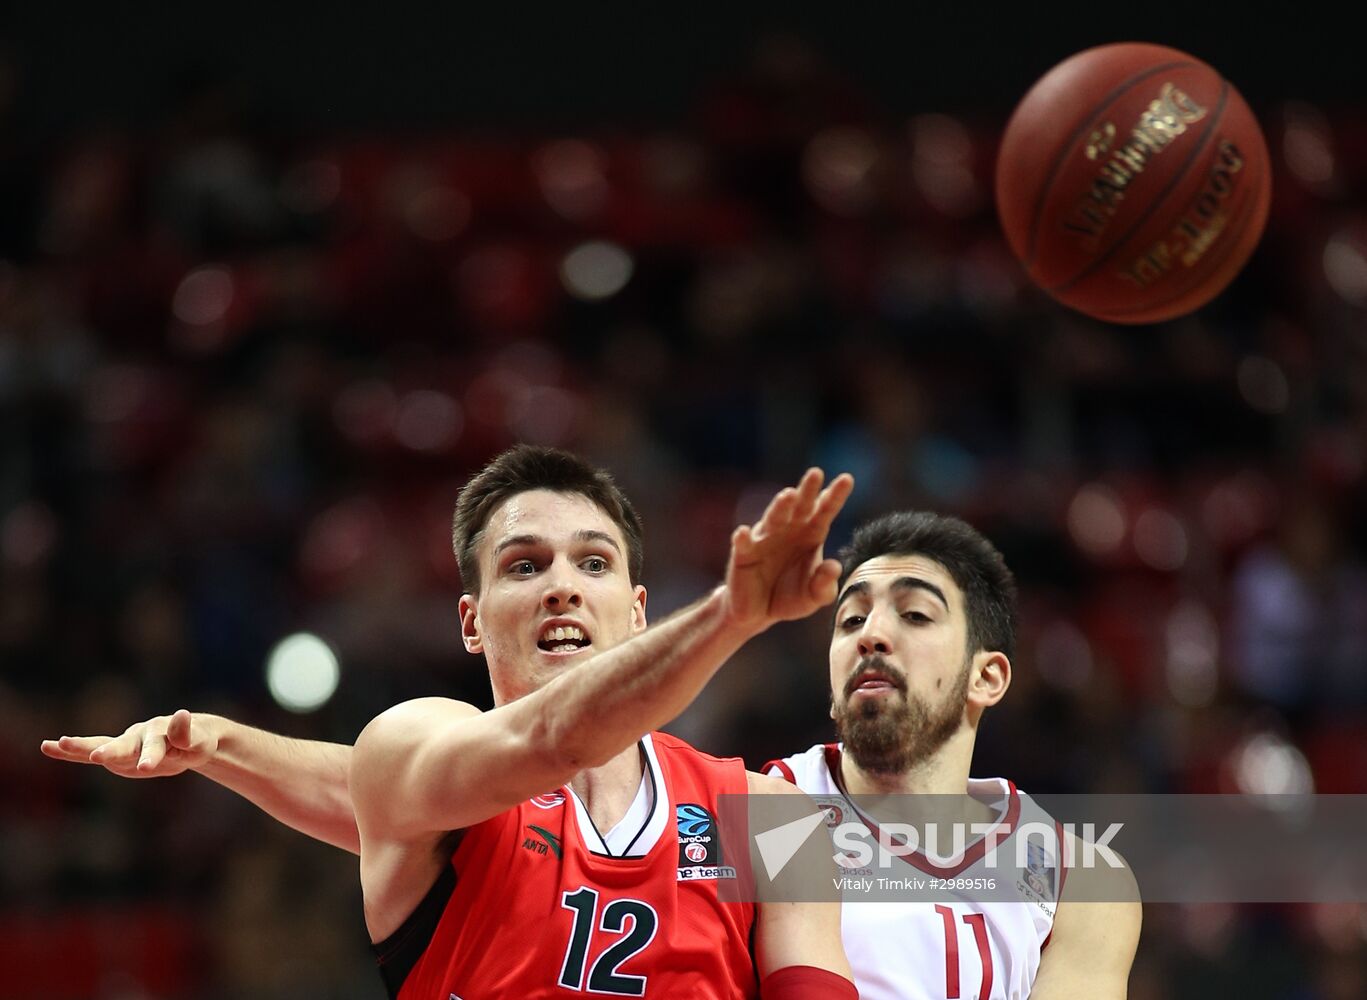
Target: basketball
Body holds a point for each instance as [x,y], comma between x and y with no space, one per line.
[1133,183]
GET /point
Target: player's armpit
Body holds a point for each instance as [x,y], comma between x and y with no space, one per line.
[1092,944]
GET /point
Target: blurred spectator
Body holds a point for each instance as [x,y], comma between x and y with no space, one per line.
[1300,615]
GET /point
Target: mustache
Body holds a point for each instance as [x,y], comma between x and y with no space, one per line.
[871,665]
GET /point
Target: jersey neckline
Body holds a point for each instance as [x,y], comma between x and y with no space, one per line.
[648,833]
[1005,825]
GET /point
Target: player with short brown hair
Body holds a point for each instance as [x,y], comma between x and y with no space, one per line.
[555,843]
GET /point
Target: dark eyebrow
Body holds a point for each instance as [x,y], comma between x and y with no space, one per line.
[916,583]
[512,540]
[901,583]
[593,535]
[854,588]
[585,535]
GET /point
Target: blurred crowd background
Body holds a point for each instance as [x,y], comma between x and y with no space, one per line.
[247,358]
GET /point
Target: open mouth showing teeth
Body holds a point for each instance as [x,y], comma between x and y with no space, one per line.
[562,639]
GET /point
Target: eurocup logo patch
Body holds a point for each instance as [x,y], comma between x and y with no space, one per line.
[694,820]
[699,845]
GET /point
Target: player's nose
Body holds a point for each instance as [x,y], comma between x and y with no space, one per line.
[562,589]
[873,635]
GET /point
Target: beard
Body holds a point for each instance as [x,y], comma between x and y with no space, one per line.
[887,735]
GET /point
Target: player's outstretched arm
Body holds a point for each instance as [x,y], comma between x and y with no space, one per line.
[452,766]
[1094,938]
[798,948]
[302,783]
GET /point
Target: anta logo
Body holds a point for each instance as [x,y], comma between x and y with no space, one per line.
[544,839]
[549,801]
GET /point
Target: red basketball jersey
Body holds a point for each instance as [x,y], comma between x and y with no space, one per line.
[528,907]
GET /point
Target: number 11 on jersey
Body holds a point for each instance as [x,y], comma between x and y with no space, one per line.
[978,922]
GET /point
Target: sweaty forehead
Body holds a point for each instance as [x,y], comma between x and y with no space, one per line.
[554,517]
[881,573]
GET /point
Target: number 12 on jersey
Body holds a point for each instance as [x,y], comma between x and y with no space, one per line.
[603,976]
[979,924]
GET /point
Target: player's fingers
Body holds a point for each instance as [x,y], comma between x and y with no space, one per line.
[824,582]
[742,542]
[778,513]
[83,744]
[178,732]
[153,750]
[122,749]
[832,499]
[73,748]
[808,492]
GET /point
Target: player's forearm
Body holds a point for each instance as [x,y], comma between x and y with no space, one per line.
[589,715]
[302,783]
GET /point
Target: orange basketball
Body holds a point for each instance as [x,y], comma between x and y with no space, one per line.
[1133,182]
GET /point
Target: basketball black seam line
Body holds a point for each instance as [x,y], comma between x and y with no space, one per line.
[1242,217]
[1087,120]
[1157,202]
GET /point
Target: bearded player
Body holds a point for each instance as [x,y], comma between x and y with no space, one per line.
[924,632]
[556,845]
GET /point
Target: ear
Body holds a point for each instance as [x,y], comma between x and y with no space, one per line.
[471,631]
[638,610]
[989,678]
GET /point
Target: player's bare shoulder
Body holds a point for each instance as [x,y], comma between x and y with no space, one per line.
[767,784]
[1098,874]
[388,764]
[420,711]
[409,723]
[777,813]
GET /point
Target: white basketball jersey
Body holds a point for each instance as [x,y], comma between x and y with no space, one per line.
[952,946]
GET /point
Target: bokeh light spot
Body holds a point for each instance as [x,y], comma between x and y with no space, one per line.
[302,673]
[596,270]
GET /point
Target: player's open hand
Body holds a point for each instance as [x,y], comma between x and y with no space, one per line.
[777,571]
[157,748]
